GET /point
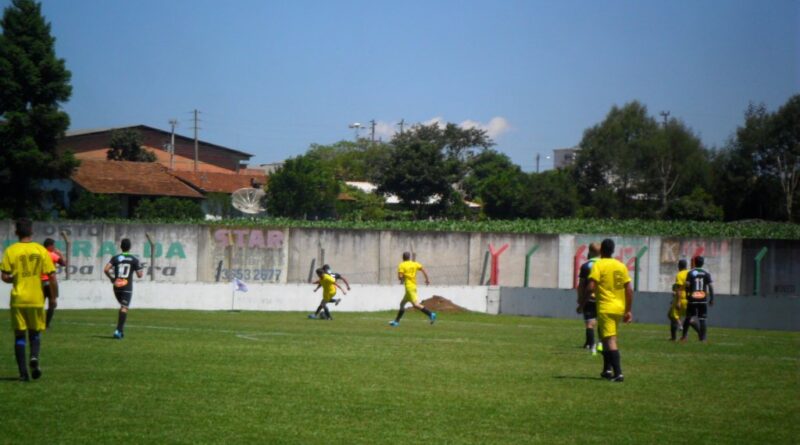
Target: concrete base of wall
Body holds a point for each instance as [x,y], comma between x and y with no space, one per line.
[729,311]
[260,297]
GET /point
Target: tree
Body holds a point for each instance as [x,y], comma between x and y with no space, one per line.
[33,85]
[351,161]
[126,145]
[481,168]
[781,157]
[304,187]
[697,206]
[94,206]
[551,194]
[504,194]
[427,161]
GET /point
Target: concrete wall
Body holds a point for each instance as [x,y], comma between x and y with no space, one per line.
[730,311]
[208,253]
[83,294]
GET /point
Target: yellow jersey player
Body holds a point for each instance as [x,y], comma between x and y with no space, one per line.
[407,274]
[23,264]
[610,282]
[677,309]
[328,284]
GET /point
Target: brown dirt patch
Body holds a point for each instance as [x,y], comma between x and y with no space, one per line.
[440,304]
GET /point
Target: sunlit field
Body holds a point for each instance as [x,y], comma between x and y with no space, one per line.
[277,377]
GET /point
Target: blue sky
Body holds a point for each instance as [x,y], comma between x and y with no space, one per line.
[272,77]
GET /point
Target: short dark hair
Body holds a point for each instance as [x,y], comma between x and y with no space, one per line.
[319,271]
[607,248]
[24,228]
[682,264]
[49,242]
[406,256]
[326,267]
[699,261]
[125,244]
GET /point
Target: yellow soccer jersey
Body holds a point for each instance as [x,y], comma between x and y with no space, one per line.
[680,286]
[27,262]
[328,284]
[409,270]
[611,277]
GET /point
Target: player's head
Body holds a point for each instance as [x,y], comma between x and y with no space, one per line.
[125,244]
[594,250]
[24,228]
[607,248]
[682,264]
[49,244]
[406,256]
[326,268]
[699,261]
[320,271]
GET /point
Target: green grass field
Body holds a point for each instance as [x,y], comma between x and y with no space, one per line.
[261,377]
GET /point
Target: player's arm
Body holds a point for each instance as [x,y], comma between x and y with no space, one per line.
[427,280]
[7,277]
[318,285]
[107,271]
[628,317]
[140,273]
[345,281]
[61,261]
[591,286]
[582,293]
[5,269]
[340,288]
[710,294]
[401,277]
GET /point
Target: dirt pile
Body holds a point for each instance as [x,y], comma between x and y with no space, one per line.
[440,304]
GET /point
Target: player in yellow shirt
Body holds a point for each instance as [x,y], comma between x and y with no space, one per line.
[23,264]
[610,282]
[328,284]
[407,274]
[677,309]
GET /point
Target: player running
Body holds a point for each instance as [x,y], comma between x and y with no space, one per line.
[23,264]
[120,271]
[328,284]
[336,276]
[407,274]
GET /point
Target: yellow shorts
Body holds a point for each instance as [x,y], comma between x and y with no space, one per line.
[410,296]
[607,324]
[25,318]
[327,298]
[677,314]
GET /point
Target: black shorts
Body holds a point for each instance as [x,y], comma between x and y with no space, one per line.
[699,310]
[123,296]
[590,310]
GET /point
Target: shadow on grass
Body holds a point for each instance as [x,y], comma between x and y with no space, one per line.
[575,377]
[9,379]
[104,337]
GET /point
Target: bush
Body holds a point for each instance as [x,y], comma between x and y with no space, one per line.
[170,209]
[87,205]
[697,206]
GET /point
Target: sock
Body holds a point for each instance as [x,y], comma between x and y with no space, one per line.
[50,312]
[319,309]
[36,343]
[606,360]
[614,355]
[426,312]
[121,320]
[19,352]
[400,315]
[686,322]
[673,329]
[589,337]
[702,330]
[327,312]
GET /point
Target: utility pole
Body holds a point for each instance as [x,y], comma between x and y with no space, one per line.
[196,154]
[372,130]
[402,122]
[665,115]
[172,123]
[537,162]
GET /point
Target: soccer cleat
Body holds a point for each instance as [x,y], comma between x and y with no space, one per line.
[312,316]
[118,334]
[594,349]
[433,317]
[24,378]
[607,374]
[336,301]
[618,378]
[36,372]
[394,323]
[599,347]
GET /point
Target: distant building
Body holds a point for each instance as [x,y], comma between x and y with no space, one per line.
[271,167]
[565,157]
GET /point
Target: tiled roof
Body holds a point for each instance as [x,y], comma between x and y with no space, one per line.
[210,182]
[130,178]
[162,157]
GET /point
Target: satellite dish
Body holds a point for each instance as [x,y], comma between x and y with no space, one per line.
[248,200]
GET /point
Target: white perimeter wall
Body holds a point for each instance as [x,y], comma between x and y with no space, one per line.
[260,297]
